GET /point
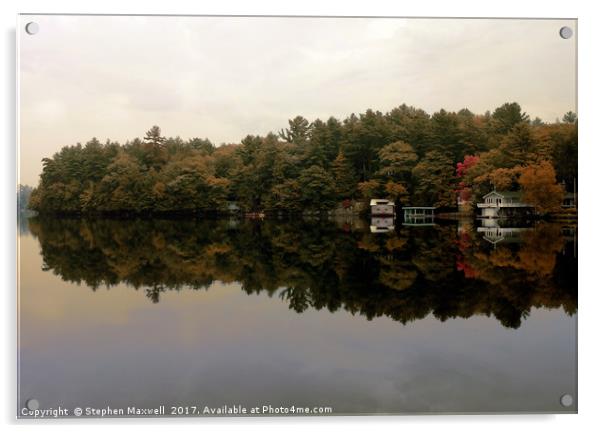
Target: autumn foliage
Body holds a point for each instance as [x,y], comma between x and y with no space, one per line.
[539,186]
[406,155]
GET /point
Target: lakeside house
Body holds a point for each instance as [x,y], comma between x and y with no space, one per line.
[498,204]
[382,207]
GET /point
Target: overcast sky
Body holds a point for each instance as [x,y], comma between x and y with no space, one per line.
[224,78]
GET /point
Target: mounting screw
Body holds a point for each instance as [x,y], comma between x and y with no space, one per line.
[566,32]
[32,28]
[566,400]
[32,404]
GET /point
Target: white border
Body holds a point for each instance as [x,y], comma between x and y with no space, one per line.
[589,164]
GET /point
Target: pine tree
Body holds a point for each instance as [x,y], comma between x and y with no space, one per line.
[345,181]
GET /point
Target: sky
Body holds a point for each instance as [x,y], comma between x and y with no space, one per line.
[224,77]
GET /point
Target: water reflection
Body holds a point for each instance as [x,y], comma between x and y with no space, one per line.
[382,224]
[451,270]
[495,230]
[418,220]
[23,223]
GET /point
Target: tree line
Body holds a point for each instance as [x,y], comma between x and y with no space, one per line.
[406,155]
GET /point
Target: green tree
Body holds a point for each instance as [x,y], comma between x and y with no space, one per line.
[397,161]
[434,181]
[345,182]
[317,188]
[324,142]
[154,136]
[569,117]
[411,125]
[518,146]
[286,196]
[564,152]
[507,116]
[363,137]
[123,188]
[153,152]
[445,135]
[203,145]
[298,132]
[537,122]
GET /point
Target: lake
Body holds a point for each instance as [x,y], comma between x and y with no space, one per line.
[359,316]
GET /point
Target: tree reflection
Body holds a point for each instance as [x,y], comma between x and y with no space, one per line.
[448,271]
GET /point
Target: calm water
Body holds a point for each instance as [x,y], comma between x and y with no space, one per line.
[436,318]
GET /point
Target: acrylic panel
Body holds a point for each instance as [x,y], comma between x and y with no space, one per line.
[296,216]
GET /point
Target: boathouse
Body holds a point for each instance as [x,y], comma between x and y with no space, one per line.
[418,215]
[497,204]
[382,207]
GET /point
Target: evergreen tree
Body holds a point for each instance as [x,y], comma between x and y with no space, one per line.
[569,117]
[344,180]
[397,161]
[317,188]
[505,117]
[434,181]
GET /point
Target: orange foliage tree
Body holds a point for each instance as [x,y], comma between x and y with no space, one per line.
[539,187]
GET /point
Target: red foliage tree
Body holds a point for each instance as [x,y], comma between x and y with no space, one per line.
[464,190]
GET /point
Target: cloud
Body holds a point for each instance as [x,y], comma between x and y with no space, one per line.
[224,78]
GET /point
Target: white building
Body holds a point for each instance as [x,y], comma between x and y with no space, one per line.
[382,207]
[502,203]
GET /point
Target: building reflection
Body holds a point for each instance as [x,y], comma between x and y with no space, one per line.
[382,224]
[418,216]
[495,232]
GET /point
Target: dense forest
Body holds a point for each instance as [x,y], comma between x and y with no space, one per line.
[406,155]
[444,270]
